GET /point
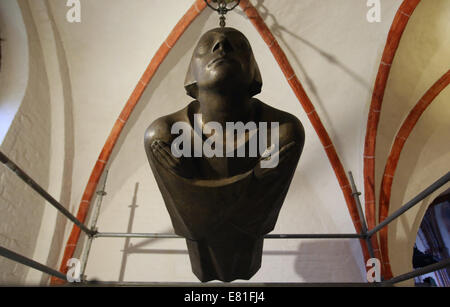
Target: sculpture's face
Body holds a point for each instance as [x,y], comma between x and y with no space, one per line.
[223,58]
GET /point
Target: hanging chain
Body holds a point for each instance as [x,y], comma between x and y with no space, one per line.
[222,8]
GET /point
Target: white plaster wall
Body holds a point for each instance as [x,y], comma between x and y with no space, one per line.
[28,144]
[336,54]
[426,158]
[54,226]
[422,58]
[81,74]
[39,140]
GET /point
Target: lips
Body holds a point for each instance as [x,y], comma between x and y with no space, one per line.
[221,60]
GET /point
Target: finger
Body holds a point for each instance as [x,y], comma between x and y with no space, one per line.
[287,147]
[160,150]
[168,154]
[161,142]
[162,155]
[283,153]
[160,158]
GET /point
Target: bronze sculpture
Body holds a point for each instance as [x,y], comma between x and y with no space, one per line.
[223,201]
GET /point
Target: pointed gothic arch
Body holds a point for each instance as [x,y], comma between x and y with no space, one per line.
[282,60]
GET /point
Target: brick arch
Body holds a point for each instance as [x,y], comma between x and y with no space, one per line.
[396,31]
[280,56]
[310,111]
[391,165]
[99,167]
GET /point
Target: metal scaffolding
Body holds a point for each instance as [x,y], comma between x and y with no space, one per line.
[92,233]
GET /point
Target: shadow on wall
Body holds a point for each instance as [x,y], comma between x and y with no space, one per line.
[130,248]
[186,42]
[317,261]
[327,261]
[127,243]
[143,114]
[143,110]
[278,31]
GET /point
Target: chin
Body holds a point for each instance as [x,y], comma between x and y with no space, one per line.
[228,76]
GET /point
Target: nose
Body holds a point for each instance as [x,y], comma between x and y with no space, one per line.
[222,44]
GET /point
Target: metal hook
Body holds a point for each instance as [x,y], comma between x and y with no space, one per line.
[222,9]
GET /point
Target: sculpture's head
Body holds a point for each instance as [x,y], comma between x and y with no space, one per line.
[223,59]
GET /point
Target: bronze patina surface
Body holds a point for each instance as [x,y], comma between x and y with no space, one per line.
[224,205]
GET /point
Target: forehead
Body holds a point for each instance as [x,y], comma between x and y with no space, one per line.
[228,32]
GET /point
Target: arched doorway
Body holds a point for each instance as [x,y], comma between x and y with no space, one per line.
[433,242]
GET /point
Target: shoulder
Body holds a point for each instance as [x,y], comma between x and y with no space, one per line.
[290,127]
[160,129]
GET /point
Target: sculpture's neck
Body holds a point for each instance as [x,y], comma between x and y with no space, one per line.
[224,107]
